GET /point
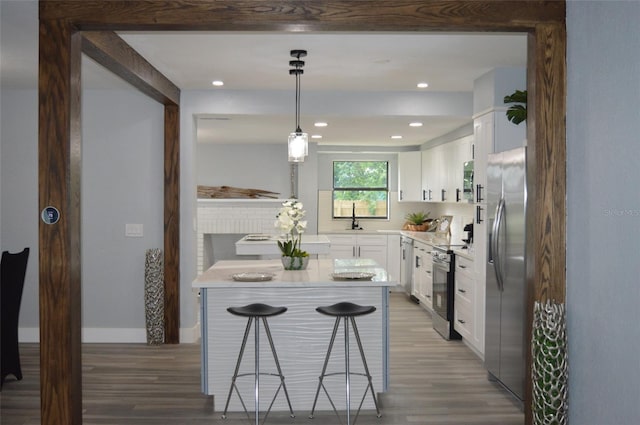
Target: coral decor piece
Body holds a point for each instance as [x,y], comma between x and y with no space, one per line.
[154,296]
[549,364]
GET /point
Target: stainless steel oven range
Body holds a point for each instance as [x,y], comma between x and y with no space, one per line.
[443,291]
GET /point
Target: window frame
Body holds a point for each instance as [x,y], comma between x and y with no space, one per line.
[385,189]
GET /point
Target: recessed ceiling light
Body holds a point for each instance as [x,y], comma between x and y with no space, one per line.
[423,85]
[217,83]
[316,136]
[415,124]
[321,124]
[396,137]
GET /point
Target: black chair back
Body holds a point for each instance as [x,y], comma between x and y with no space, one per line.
[14,268]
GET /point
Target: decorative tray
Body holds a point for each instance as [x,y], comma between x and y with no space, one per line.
[252,277]
[352,276]
[257,238]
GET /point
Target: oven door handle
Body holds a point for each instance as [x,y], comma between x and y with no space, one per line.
[495,244]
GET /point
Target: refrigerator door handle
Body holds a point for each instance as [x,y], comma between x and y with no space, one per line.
[495,247]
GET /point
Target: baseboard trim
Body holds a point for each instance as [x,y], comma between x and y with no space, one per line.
[113,335]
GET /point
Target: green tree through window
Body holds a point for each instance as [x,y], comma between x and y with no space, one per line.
[362,186]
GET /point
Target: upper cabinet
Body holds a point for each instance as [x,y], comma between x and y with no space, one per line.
[409,175]
[443,171]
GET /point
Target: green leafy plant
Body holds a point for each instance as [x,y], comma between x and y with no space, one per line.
[417,217]
[517,113]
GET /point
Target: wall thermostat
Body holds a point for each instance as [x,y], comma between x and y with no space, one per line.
[50,215]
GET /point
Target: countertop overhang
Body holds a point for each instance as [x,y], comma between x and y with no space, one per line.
[317,273]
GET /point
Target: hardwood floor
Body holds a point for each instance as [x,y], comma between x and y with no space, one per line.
[432,381]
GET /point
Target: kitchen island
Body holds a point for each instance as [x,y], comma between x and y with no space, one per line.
[301,335]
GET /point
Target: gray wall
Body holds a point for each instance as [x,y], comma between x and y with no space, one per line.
[122,182]
[603,206]
[248,166]
[19,188]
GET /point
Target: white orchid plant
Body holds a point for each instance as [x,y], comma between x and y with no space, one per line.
[290,221]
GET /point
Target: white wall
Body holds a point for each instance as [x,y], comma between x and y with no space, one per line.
[603,206]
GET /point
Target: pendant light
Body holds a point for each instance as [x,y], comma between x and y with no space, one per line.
[298,141]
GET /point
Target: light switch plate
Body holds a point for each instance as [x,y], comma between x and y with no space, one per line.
[133,230]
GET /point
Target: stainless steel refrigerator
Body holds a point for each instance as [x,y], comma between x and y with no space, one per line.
[505,271]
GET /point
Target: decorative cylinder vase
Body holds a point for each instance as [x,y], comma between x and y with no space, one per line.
[154,295]
[294,263]
[549,364]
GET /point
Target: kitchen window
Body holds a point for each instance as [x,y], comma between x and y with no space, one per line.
[361,188]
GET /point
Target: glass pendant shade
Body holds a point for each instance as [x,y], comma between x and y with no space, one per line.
[298,146]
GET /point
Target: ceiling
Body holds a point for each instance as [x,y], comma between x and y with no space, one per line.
[362,84]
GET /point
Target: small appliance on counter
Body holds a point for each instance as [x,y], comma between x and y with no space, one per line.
[469,240]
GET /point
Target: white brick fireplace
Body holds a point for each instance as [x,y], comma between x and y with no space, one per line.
[220,222]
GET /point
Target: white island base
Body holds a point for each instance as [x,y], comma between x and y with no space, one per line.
[301,335]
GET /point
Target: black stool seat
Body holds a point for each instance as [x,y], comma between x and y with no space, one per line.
[257,310]
[346,309]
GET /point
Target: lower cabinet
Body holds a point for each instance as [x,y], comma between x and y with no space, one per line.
[359,246]
[469,299]
[422,287]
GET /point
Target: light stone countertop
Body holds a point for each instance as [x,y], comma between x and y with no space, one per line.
[318,273]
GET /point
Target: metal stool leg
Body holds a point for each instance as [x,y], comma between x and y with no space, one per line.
[366,371]
[280,374]
[257,369]
[235,373]
[324,367]
[347,372]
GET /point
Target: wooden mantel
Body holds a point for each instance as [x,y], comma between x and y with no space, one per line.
[70,27]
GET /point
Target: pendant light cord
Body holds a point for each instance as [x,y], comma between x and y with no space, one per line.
[297,71]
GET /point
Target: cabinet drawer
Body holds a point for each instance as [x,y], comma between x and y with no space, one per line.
[463,317]
[464,288]
[464,265]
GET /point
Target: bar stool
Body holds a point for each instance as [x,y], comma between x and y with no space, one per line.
[347,311]
[255,312]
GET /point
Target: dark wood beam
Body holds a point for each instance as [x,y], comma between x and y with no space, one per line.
[112,52]
[306,15]
[59,159]
[171,224]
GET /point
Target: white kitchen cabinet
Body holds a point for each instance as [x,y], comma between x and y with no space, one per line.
[359,246]
[468,304]
[443,170]
[409,176]
[431,174]
[422,287]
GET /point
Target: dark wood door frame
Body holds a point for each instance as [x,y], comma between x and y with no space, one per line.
[62,25]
